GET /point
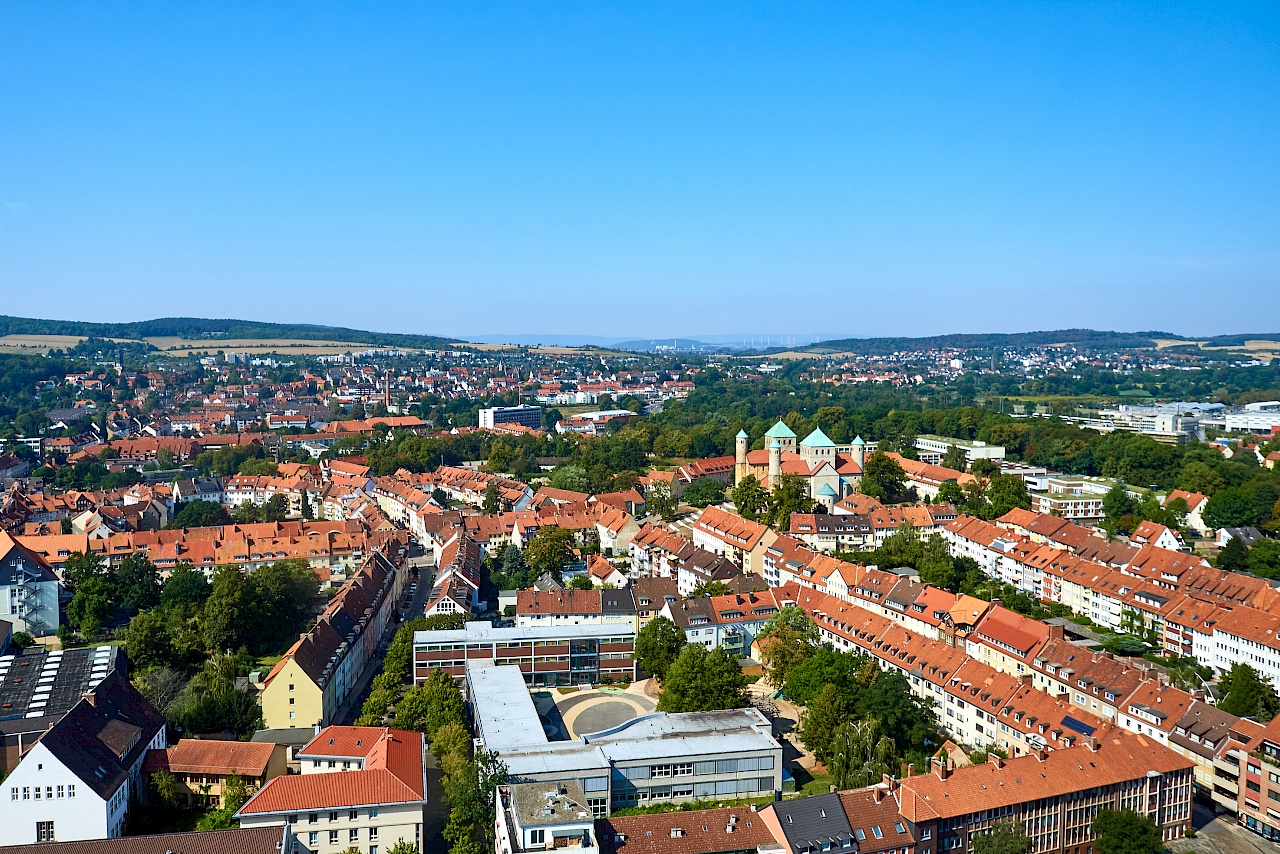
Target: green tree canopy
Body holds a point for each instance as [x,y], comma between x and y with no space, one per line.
[820,721]
[882,478]
[658,645]
[786,639]
[1006,837]
[1247,693]
[861,754]
[702,680]
[199,513]
[703,492]
[138,582]
[550,551]
[1125,832]
[186,589]
[749,498]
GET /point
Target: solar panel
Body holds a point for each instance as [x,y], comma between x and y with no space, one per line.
[1072,723]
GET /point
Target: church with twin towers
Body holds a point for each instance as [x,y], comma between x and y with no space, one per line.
[831,471]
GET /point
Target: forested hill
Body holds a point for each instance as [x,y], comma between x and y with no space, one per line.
[199,327]
[1084,338]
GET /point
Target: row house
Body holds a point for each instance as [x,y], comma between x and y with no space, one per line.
[730,621]
[597,607]
[318,674]
[456,587]
[655,551]
[828,533]
[741,541]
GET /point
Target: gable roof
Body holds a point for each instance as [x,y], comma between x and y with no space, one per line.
[268,839]
[200,756]
[393,773]
[103,736]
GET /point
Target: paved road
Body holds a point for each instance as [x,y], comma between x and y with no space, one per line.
[412,606]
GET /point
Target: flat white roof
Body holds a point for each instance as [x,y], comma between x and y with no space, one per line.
[505,714]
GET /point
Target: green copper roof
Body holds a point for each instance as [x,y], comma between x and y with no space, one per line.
[774,443]
[826,489]
[857,440]
[742,434]
[817,439]
[780,431]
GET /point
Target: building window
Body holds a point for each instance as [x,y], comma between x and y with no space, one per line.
[333,816]
[355,814]
[313,817]
[373,833]
[61,790]
[353,835]
[44,831]
[313,838]
[333,837]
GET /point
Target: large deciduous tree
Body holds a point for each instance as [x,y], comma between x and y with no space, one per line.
[703,680]
[658,645]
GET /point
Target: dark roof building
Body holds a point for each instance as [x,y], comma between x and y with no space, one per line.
[249,840]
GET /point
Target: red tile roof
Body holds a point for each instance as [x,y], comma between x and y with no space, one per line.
[393,774]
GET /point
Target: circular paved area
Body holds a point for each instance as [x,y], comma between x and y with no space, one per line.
[593,711]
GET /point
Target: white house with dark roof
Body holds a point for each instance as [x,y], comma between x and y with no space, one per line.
[80,779]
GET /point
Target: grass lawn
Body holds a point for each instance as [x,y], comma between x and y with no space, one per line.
[807,784]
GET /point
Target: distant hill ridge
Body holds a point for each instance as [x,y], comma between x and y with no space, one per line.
[1084,338]
[200,328]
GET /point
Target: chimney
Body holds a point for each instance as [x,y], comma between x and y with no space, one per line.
[832,788]
[1026,679]
[996,760]
[1040,754]
[911,770]
[877,795]
[1057,633]
[1091,743]
[940,768]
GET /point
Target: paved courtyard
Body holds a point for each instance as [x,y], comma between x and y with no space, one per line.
[584,712]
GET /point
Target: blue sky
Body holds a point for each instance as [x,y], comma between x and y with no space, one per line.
[645,169]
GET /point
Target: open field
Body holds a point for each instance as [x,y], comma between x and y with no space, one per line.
[1166,343]
[40,343]
[191,346]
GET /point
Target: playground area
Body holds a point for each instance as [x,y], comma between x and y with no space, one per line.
[572,715]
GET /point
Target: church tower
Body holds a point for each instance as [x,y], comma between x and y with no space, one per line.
[740,457]
[775,463]
[859,452]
